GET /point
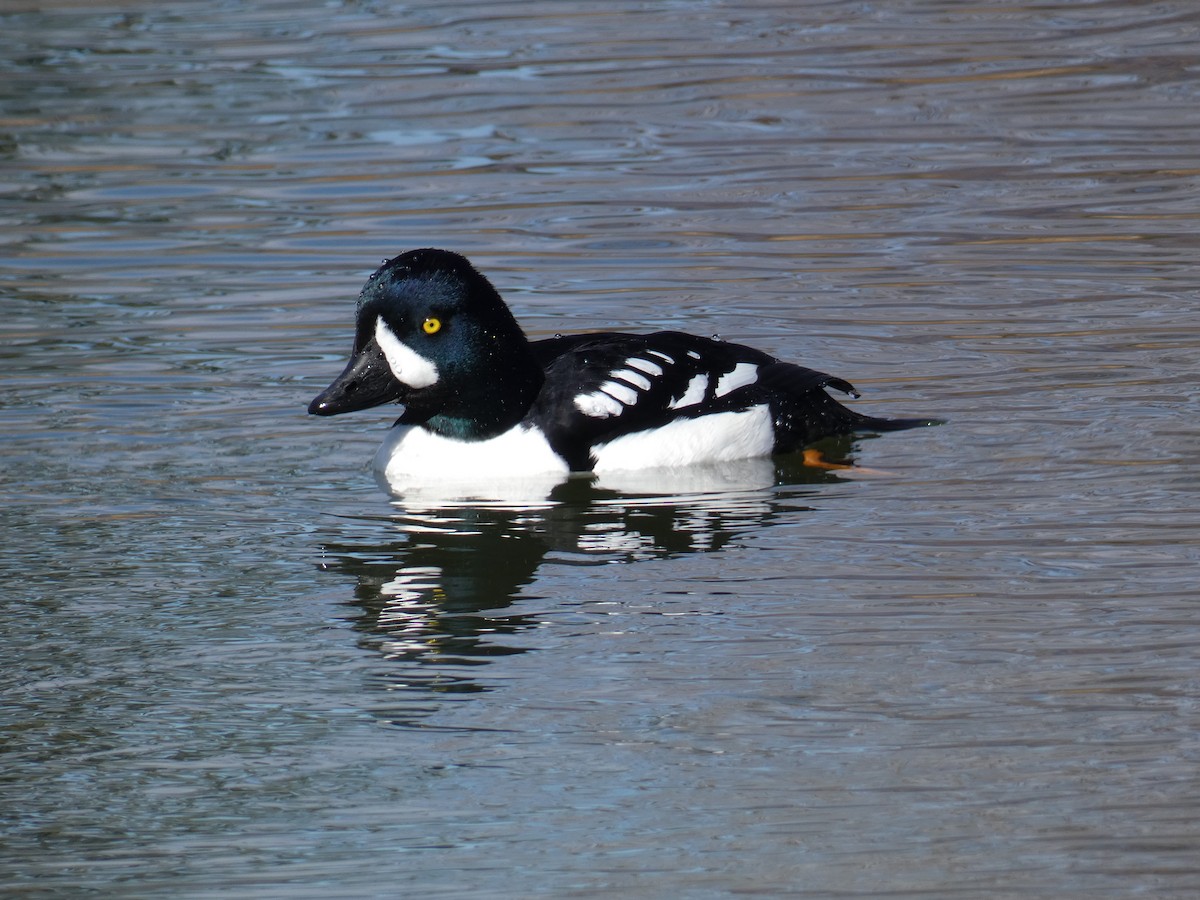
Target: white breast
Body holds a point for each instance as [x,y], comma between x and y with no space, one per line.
[412,453]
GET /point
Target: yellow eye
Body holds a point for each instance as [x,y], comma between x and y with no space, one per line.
[431,325]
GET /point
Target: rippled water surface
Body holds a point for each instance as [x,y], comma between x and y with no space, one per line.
[233,665]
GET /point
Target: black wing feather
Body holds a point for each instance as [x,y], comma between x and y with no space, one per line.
[661,371]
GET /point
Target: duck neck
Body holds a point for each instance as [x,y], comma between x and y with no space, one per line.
[493,404]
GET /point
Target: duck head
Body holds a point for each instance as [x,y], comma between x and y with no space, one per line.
[433,334]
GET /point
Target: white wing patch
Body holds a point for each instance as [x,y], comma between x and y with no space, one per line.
[598,405]
[644,365]
[409,366]
[694,393]
[634,378]
[624,387]
[742,375]
[622,392]
[611,398]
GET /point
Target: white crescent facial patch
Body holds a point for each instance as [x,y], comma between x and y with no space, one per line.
[408,366]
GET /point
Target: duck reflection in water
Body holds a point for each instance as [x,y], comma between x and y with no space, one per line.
[438,583]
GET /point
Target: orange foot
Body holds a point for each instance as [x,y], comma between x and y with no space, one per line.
[814,459]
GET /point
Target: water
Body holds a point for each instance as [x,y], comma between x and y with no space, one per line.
[234,666]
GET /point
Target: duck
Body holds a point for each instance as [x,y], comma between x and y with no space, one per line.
[480,398]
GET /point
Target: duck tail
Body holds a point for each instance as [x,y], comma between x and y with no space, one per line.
[877,423]
[805,413]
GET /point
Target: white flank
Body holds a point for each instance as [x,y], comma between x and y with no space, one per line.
[409,366]
[634,378]
[598,405]
[644,365]
[742,375]
[732,486]
[694,393]
[662,356]
[684,442]
[412,452]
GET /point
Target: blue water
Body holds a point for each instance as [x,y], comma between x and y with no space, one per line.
[233,665]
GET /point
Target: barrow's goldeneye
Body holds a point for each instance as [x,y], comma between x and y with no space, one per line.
[482,400]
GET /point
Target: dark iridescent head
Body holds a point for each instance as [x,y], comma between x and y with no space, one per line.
[433,333]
